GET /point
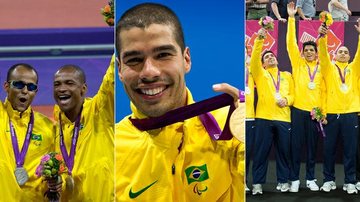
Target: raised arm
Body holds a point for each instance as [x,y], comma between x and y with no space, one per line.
[291,43]
[255,60]
[356,60]
[324,58]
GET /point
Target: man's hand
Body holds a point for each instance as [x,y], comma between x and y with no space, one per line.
[323,30]
[282,102]
[55,185]
[262,33]
[357,27]
[229,89]
[291,9]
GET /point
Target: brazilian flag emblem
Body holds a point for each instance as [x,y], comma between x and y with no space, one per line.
[36,137]
[196,173]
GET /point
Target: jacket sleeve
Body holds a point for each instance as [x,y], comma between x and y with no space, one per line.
[290,96]
[255,61]
[356,61]
[291,44]
[324,58]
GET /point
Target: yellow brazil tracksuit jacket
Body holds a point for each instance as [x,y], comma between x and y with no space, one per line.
[266,106]
[41,142]
[305,98]
[249,102]
[338,101]
[178,162]
[93,170]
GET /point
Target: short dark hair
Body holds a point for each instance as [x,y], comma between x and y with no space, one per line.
[309,43]
[77,69]
[26,66]
[263,55]
[145,14]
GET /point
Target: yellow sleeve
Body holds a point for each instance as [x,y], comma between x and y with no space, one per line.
[290,96]
[356,61]
[291,43]
[324,58]
[255,61]
[323,97]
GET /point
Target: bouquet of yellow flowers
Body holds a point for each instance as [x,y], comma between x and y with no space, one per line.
[326,18]
[51,166]
[108,13]
[267,23]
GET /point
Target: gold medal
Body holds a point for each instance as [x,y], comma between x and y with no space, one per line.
[237,123]
[69,183]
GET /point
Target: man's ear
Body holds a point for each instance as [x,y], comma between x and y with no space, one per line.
[187,59]
[119,69]
[84,90]
[6,86]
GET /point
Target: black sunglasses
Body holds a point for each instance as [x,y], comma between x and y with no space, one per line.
[21,85]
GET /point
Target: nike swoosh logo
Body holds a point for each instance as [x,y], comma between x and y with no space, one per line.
[136,194]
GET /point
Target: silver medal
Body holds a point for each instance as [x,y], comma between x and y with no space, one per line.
[311,85]
[247,90]
[21,175]
[278,96]
[344,87]
[69,183]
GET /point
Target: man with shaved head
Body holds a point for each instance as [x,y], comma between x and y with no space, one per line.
[25,136]
[343,104]
[84,134]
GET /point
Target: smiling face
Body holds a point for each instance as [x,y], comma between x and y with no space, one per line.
[309,53]
[21,99]
[342,55]
[269,60]
[152,68]
[69,91]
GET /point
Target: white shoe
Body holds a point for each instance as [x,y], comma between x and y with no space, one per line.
[311,184]
[278,186]
[247,188]
[328,186]
[350,188]
[257,189]
[357,185]
[283,187]
[294,187]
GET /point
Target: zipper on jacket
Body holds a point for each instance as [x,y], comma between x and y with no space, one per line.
[173,169]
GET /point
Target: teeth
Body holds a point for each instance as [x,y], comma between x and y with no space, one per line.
[153,91]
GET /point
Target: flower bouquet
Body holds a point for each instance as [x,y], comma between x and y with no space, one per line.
[318,116]
[52,165]
[326,19]
[108,13]
[267,23]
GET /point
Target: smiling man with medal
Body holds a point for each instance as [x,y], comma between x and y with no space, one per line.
[163,151]
[23,127]
[343,105]
[85,134]
[275,95]
[310,92]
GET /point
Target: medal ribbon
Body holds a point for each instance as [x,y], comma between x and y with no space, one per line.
[20,157]
[277,84]
[341,76]
[312,75]
[69,159]
[200,109]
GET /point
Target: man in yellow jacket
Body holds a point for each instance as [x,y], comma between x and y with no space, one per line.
[25,136]
[275,94]
[85,134]
[343,104]
[178,162]
[310,92]
[250,116]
